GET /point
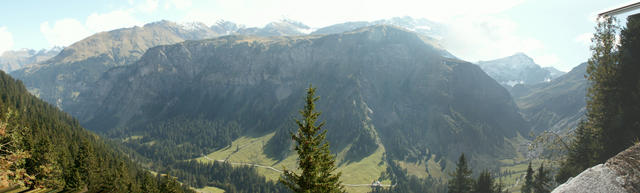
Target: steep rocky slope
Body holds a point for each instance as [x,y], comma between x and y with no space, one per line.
[382,84]
[62,78]
[557,105]
[620,174]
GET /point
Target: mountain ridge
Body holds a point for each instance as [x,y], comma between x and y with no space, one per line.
[557,105]
[360,76]
[12,60]
[517,69]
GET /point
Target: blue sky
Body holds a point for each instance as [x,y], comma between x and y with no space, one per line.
[553,32]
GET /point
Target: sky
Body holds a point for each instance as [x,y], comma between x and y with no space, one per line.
[553,32]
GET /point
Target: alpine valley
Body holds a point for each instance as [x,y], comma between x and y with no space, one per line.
[177,98]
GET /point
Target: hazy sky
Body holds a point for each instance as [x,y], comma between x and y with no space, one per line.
[553,32]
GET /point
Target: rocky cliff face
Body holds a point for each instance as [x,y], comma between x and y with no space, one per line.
[389,82]
[620,174]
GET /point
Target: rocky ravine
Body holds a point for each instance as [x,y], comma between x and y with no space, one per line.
[620,174]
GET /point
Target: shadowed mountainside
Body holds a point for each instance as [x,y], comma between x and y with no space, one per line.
[378,85]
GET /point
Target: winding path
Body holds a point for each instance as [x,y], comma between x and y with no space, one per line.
[280,171]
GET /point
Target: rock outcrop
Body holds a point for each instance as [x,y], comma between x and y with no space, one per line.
[620,174]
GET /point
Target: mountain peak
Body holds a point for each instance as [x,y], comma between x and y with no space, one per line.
[521,56]
[516,69]
[293,22]
[165,23]
[384,28]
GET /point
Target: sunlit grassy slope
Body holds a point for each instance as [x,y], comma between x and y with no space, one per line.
[209,189]
[250,151]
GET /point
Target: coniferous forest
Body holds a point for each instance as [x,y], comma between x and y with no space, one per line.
[45,148]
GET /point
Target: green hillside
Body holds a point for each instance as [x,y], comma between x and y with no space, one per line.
[45,148]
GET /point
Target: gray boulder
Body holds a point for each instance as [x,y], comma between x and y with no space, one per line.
[620,174]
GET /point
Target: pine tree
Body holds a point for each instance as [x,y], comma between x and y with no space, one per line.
[485,183]
[314,158]
[45,167]
[581,154]
[541,181]
[461,180]
[629,83]
[148,185]
[528,180]
[602,107]
[169,184]
[12,156]
[595,138]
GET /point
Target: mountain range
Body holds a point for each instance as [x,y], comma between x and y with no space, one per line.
[518,69]
[382,82]
[61,79]
[15,59]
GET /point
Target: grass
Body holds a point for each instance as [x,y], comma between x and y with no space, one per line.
[518,164]
[209,189]
[426,168]
[250,150]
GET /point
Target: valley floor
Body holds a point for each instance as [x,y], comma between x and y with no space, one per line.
[356,176]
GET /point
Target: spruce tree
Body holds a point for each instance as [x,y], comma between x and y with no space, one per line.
[12,156]
[629,82]
[315,161]
[461,181]
[485,183]
[528,180]
[595,138]
[602,107]
[541,180]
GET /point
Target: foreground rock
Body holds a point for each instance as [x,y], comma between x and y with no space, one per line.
[619,174]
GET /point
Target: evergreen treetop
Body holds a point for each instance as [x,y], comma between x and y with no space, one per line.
[315,161]
[461,181]
[528,180]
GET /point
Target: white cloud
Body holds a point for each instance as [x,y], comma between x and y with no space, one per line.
[64,32]
[7,40]
[584,39]
[546,60]
[180,4]
[485,38]
[327,12]
[205,17]
[112,20]
[148,6]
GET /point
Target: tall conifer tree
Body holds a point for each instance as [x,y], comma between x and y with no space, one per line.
[461,181]
[485,183]
[528,180]
[541,180]
[315,161]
